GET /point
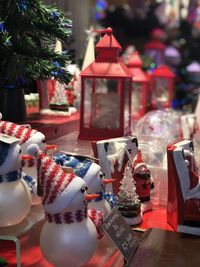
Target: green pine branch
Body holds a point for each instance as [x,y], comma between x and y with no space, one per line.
[27,28]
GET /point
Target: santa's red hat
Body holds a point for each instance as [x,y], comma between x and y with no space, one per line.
[138,162]
[59,188]
[21,132]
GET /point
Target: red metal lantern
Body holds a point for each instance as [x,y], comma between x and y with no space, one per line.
[105,109]
[139,96]
[162,86]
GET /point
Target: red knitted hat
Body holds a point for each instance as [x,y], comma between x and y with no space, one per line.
[59,188]
[19,131]
[138,162]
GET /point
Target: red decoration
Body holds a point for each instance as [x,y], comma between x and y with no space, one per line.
[105,93]
[139,96]
[162,86]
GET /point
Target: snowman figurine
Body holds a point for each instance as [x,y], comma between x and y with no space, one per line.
[91,173]
[15,197]
[26,136]
[68,237]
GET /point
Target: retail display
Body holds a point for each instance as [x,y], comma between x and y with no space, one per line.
[15,197]
[128,121]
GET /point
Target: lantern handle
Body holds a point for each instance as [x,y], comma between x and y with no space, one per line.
[108,30]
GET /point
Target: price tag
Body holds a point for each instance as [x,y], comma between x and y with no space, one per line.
[121,234]
[8,139]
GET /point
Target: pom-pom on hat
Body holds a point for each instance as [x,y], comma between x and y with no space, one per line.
[82,166]
[138,162]
[19,131]
[59,188]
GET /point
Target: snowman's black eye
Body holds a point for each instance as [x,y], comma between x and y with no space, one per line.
[86,188]
[44,141]
[82,190]
[101,175]
[20,151]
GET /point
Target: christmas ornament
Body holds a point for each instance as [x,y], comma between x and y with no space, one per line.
[91,173]
[128,202]
[69,236]
[143,182]
[15,198]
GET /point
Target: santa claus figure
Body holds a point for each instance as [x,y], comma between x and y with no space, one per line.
[143,180]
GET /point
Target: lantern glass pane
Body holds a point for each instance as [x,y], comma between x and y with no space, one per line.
[88,85]
[127,95]
[104,106]
[160,91]
[136,99]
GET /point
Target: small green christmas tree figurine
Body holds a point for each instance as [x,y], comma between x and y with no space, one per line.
[27,30]
[127,200]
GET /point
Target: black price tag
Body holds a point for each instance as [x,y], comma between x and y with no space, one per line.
[121,234]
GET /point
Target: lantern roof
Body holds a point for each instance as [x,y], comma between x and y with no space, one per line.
[135,60]
[107,63]
[163,71]
[107,69]
[139,75]
[155,44]
[108,41]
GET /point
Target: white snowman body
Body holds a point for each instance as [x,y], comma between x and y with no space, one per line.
[72,244]
[15,197]
[96,186]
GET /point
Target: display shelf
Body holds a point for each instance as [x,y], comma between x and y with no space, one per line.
[53,126]
[14,233]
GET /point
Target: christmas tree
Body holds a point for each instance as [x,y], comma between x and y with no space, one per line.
[127,200]
[27,30]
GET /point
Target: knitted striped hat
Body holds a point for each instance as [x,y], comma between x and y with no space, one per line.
[82,166]
[19,131]
[59,188]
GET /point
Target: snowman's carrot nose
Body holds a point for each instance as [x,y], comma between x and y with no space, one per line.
[108,181]
[89,197]
[48,147]
[27,157]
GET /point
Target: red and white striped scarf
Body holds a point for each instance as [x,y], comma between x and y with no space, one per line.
[78,216]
